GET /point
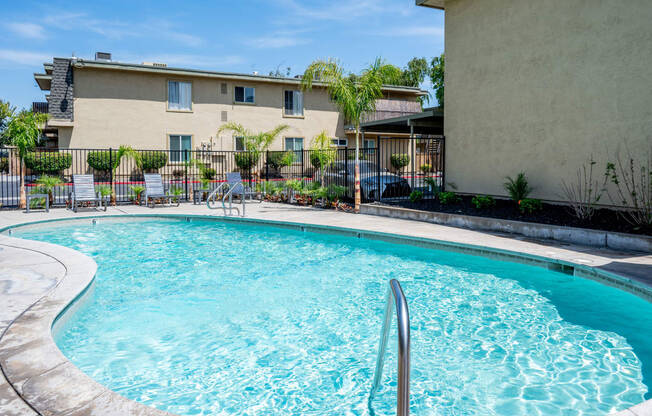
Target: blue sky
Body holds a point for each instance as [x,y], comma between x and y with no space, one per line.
[235,36]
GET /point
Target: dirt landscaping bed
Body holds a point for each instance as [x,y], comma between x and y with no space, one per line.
[603,219]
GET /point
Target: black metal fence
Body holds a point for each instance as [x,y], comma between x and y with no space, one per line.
[188,170]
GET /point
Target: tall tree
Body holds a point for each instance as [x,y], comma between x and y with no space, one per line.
[6,113]
[353,96]
[415,72]
[437,77]
[24,131]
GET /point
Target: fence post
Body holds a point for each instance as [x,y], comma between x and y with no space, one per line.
[115,197]
[185,162]
[303,163]
[346,169]
[378,194]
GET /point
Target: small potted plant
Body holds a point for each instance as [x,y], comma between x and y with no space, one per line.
[137,191]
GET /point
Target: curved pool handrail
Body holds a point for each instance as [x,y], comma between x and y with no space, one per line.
[395,298]
[229,195]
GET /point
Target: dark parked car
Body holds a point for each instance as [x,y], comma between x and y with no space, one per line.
[372,179]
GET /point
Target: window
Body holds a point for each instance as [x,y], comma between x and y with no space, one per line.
[179,96]
[178,144]
[245,95]
[370,145]
[339,142]
[295,144]
[239,144]
[223,88]
[293,103]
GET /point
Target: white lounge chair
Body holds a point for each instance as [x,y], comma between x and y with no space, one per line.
[84,191]
[154,189]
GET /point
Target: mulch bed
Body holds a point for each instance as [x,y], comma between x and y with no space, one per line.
[604,219]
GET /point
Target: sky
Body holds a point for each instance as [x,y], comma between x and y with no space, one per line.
[221,35]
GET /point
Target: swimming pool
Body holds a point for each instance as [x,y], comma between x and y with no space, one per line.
[208,317]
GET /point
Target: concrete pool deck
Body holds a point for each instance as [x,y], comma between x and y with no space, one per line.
[38,280]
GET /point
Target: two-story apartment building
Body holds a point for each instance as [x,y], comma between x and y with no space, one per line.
[101,103]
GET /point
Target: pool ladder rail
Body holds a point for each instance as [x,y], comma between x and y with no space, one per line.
[228,195]
[395,299]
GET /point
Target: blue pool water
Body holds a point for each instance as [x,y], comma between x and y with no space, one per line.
[208,318]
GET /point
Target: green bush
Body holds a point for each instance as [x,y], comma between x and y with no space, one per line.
[416,196]
[208,173]
[47,162]
[4,165]
[152,160]
[399,160]
[102,161]
[246,160]
[529,206]
[426,168]
[279,159]
[518,188]
[448,198]
[483,201]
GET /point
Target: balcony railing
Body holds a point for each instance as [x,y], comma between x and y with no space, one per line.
[40,107]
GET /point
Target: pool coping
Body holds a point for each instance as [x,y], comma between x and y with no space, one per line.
[55,386]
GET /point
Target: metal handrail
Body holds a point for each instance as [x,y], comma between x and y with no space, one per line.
[396,298]
[228,194]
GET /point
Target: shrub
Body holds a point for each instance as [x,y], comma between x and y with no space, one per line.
[399,160]
[632,180]
[448,198]
[208,173]
[584,194]
[416,196]
[518,188]
[279,159]
[152,160]
[4,165]
[48,162]
[246,160]
[483,201]
[432,184]
[102,161]
[178,173]
[529,206]
[426,168]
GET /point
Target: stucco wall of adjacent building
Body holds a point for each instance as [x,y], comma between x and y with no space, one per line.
[114,108]
[540,86]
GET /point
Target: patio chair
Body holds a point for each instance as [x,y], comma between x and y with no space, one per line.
[154,189]
[9,190]
[84,191]
[233,187]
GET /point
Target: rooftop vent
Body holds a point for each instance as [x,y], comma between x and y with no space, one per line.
[156,64]
[102,56]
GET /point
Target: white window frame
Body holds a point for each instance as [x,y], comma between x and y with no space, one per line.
[295,93]
[244,94]
[235,144]
[175,153]
[178,82]
[340,141]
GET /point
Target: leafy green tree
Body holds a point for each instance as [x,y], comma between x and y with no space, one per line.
[24,131]
[354,97]
[6,113]
[437,78]
[415,72]
[323,153]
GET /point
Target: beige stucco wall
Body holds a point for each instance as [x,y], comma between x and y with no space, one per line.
[114,108]
[538,86]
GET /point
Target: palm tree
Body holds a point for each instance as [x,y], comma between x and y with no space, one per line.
[123,151]
[254,143]
[354,96]
[323,153]
[24,131]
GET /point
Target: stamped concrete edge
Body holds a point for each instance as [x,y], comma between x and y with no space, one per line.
[32,363]
[583,236]
[56,386]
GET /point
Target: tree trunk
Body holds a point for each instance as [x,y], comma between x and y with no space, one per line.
[23,197]
[356,207]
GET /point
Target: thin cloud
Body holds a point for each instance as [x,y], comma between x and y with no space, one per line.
[21,57]
[118,30]
[27,30]
[416,31]
[345,10]
[276,42]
